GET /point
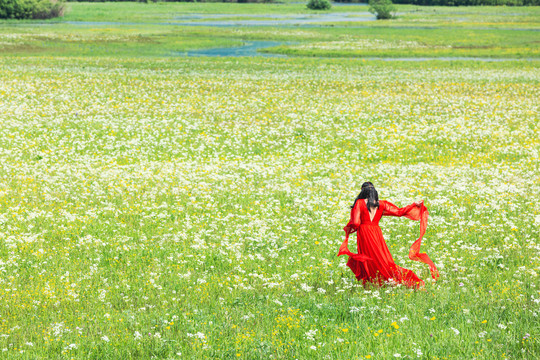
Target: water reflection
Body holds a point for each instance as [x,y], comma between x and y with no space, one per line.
[248,49]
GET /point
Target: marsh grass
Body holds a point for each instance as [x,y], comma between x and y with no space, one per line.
[135,30]
[156,41]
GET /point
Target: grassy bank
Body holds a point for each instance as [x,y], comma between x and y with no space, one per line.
[158,30]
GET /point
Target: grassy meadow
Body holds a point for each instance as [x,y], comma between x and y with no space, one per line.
[158,206]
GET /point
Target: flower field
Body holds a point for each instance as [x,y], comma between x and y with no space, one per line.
[193,208]
[189,208]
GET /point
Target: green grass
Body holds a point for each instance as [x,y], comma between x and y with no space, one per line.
[492,16]
[138,12]
[133,30]
[178,197]
[136,41]
[394,42]
[172,207]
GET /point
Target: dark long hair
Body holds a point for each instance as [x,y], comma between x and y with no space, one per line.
[368,192]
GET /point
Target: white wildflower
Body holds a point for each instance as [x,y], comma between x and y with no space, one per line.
[310,335]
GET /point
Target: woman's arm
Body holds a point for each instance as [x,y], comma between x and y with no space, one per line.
[351,227]
[354,221]
[412,211]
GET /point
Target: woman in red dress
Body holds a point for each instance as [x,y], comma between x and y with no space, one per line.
[373,263]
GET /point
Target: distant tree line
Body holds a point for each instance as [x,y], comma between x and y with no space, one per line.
[149,1]
[458,2]
[470,2]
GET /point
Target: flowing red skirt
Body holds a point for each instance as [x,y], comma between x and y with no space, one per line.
[377,266]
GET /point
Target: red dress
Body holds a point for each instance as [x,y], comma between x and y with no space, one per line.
[373,262]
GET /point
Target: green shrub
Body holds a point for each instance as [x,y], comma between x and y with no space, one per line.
[319,4]
[383,9]
[31,9]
